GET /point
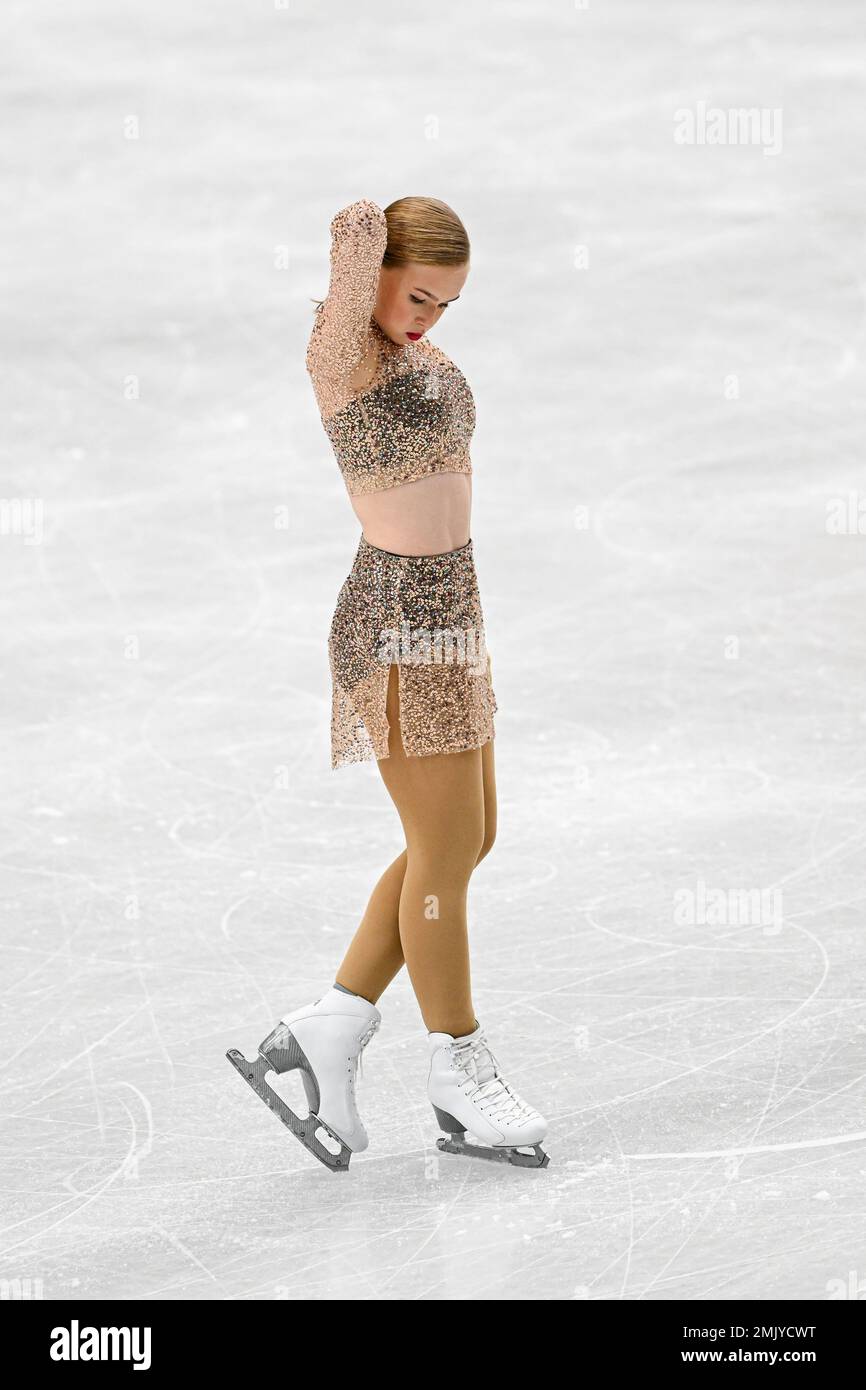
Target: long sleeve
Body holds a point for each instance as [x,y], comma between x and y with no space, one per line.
[413,413]
[359,235]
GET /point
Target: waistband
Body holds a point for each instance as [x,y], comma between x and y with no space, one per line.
[395,555]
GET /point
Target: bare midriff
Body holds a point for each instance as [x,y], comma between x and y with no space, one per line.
[427,517]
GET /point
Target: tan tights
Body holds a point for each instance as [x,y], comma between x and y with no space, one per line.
[417,911]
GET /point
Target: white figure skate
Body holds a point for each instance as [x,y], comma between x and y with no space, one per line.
[468,1092]
[323,1041]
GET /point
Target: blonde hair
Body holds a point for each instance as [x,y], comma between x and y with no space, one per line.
[425,230]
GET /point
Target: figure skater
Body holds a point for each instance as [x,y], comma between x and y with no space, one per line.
[411,685]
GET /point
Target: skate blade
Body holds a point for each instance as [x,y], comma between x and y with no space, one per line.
[537,1159]
[254,1073]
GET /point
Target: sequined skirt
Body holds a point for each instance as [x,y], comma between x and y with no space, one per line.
[422,612]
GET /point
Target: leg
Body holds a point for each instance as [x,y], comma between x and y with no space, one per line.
[375,954]
[440,801]
[488,775]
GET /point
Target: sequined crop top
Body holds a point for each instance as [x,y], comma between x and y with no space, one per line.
[416,414]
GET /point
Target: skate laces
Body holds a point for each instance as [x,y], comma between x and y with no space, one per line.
[484,1080]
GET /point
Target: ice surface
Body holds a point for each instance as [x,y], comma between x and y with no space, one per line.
[664,417]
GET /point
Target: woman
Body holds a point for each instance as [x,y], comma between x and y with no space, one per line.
[412,684]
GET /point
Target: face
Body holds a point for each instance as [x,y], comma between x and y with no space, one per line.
[412,298]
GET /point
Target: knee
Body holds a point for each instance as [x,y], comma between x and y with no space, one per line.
[488,840]
[468,849]
[489,833]
[456,853]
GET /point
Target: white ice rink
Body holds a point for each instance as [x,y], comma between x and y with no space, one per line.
[666,345]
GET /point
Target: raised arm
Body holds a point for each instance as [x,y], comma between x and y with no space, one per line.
[359,235]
